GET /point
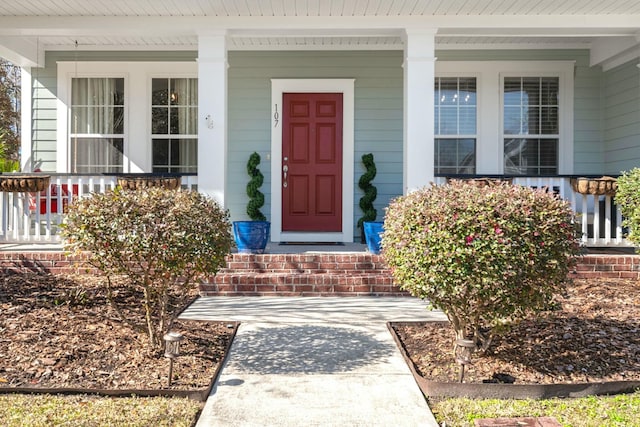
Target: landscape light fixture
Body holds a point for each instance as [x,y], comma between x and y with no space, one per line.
[172,349]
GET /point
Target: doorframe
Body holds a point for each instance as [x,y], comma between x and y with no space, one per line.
[347,88]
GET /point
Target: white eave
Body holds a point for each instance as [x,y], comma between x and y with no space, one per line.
[609,28]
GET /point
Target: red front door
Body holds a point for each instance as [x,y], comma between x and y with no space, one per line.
[312,162]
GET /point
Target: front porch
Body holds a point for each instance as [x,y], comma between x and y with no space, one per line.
[36,217]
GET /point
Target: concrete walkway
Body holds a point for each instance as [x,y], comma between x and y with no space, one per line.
[314,362]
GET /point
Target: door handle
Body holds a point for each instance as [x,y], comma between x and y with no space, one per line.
[285,169]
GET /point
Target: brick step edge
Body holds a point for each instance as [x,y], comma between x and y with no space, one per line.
[329,289]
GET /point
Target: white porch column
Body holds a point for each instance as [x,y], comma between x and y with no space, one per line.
[419,74]
[212,120]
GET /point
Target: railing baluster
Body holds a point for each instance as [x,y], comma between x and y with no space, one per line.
[607,219]
[585,220]
[619,232]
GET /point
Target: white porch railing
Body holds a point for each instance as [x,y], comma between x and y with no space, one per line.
[36,217]
[600,219]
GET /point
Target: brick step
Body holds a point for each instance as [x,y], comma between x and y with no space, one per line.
[306,263]
[300,284]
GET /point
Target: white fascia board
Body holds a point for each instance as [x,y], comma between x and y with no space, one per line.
[180,25]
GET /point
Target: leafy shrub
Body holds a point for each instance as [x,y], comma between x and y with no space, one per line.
[628,197]
[162,240]
[256,198]
[483,255]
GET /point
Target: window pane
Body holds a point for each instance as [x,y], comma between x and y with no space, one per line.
[530,156]
[448,120]
[467,117]
[184,92]
[175,155]
[159,120]
[549,121]
[97,155]
[455,156]
[183,121]
[159,91]
[512,120]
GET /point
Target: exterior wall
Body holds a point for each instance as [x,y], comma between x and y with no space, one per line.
[378,117]
[621,116]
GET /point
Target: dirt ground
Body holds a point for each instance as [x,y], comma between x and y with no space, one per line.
[594,336]
[60,332]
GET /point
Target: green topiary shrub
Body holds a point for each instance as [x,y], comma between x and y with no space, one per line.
[482,254]
[370,192]
[256,198]
[161,240]
[628,198]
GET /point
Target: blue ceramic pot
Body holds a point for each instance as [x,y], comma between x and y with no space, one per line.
[373,234]
[251,236]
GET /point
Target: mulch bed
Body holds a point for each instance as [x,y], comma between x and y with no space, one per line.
[60,332]
[593,336]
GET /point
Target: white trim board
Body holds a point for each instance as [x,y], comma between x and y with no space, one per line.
[347,88]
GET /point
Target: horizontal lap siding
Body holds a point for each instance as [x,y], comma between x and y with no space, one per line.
[621,109]
[378,115]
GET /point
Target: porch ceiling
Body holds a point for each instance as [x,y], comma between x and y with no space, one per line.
[610,28]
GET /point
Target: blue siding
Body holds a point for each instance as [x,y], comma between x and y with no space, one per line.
[621,110]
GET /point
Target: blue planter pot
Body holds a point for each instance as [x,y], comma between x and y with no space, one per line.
[251,236]
[373,234]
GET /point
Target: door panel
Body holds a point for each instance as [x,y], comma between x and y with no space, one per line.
[312,162]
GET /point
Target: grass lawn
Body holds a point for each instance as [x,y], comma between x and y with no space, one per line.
[593,411]
[85,410]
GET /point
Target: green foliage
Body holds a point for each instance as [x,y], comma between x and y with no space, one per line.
[370,191]
[256,198]
[9,111]
[628,197]
[484,255]
[162,240]
[6,164]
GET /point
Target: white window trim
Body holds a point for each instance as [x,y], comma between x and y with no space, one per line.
[137,107]
[490,75]
[347,88]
